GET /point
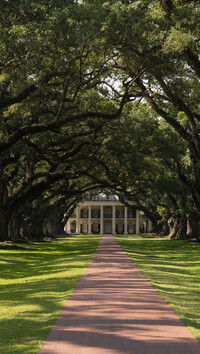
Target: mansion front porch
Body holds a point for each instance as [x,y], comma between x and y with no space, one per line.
[109,218]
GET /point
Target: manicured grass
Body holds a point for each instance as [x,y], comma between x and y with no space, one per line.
[173,268]
[34,286]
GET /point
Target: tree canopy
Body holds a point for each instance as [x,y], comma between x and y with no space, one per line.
[97,94]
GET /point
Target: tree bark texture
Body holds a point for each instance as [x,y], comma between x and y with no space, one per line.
[193,227]
[3,225]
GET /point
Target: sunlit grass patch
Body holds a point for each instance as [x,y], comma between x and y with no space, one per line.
[34,285]
[173,268]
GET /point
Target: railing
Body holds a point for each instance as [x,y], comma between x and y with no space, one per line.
[106,216]
[84,216]
[119,216]
[96,216]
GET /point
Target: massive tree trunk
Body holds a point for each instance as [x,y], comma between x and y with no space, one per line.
[182,227]
[32,226]
[177,228]
[3,214]
[35,229]
[193,227]
[55,226]
[59,227]
[172,228]
[14,227]
[3,225]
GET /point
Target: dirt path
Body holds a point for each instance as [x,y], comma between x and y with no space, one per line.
[114,309]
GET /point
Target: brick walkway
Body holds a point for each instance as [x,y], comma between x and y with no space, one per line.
[114,309]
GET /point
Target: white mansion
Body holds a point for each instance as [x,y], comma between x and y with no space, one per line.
[105,214]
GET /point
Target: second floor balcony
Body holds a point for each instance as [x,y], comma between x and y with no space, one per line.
[107,213]
[108,216]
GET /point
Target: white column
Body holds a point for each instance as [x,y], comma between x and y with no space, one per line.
[137,222]
[126,221]
[146,226]
[77,220]
[89,220]
[113,220]
[101,221]
[68,227]
[150,226]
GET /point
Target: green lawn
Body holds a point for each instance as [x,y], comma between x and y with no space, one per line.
[34,286]
[173,268]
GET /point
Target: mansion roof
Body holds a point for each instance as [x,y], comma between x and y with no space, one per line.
[102,197]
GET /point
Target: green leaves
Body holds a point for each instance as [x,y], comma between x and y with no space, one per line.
[67,70]
[177,41]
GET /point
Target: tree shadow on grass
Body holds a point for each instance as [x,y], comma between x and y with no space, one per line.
[173,268]
[37,262]
[34,286]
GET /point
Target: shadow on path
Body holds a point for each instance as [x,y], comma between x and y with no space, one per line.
[114,309]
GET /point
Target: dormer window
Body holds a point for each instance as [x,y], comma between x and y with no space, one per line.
[94,197]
